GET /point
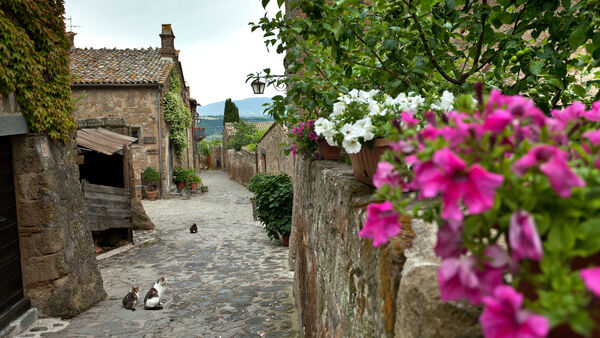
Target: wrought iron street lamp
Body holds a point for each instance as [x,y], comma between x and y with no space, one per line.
[258,87]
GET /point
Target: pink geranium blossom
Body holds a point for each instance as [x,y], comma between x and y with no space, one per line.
[570,113]
[593,136]
[386,174]
[594,113]
[448,175]
[591,279]
[449,241]
[382,223]
[523,236]
[497,121]
[408,118]
[552,161]
[503,316]
[462,278]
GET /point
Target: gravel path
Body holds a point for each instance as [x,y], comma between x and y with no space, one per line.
[228,280]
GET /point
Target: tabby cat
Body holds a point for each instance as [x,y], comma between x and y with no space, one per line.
[130,299]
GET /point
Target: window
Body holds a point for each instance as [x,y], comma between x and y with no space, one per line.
[135,132]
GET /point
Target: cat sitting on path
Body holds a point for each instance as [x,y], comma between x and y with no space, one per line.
[194,228]
[152,300]
[130,299]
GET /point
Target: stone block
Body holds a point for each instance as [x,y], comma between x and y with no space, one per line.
[421,313]
[95,123]
[41,269]
[149,140]
[36,213]
[140,220]
[114,122]
[81,123]
[152,152]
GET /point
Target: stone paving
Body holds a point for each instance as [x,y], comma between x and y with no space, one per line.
[228,280]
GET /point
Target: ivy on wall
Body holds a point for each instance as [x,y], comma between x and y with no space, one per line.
[177,115]
[34,63]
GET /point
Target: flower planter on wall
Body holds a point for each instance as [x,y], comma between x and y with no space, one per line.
[328,152]
[364,163]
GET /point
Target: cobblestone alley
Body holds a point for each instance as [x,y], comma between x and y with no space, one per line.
[228,280]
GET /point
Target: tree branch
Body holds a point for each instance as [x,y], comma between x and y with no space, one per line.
[394,74]
[478,50]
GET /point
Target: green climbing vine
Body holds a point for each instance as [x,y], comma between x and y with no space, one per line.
[177,115]
[34,64]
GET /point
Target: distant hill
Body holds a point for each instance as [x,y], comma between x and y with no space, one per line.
[249,107]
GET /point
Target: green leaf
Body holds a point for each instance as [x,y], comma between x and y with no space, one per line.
[579,90]
[588,237]
[536,66]
[265,3]
[577,38]
[337,31]
[280,2]
[556,82]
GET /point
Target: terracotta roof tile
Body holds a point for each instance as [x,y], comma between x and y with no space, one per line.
[119,66]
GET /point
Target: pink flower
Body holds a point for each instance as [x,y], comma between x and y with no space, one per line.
[386,174]
[382,223]
[408,118]
[593,136]
[503,316]
[496,258]
[497,121]
[461,277]
[449,241]
[594,113]
[552,161]
[523,236]
[403,147]
[571,113]
[591,279]
[448,175]
[430,133]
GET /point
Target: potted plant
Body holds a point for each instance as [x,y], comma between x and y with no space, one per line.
[362,121]
[273,197]
[195,180]
[518,210]
[151,176]
[303,139]
[180,177]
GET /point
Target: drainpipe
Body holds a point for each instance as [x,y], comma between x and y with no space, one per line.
[160,164]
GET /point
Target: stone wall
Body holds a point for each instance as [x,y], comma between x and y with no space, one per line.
[241,165]
[270,158]
[215,157]
[60,272]
[344,286]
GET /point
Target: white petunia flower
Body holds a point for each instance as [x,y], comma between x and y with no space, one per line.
[338,108]
[351,131]
[352,146]
[366,127]
[331,141]
[374,108]
[323,126]
[447,101]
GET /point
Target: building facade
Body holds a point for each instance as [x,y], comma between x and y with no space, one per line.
[130,84]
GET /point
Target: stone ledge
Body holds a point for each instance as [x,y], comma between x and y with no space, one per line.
[20,324]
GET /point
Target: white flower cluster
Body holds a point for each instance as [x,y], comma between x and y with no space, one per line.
[353,128]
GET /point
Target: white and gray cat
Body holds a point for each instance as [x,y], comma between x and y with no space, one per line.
[152,300]
[130,299]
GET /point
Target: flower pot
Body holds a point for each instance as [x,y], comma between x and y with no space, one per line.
[194,185]
[364,163]
[328,152]
[152,194]
[285,241]
[180,185]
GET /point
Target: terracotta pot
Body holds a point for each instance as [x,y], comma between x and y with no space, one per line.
[285,241]
[364,163]
[328,152]
[194,185]
[152,194]
[180,185]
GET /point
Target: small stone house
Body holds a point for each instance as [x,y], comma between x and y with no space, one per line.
[271,159]
[122,90]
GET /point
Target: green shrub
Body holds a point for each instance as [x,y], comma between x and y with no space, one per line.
[203,148]
[150,175]
[180,175]
[252,147]
[273,196]
[244,135]
[216,142]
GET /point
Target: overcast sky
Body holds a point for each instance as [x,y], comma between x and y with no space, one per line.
[217,49]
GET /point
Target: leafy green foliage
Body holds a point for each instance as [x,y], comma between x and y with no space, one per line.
[273,196]
[245,134]
[231,112]
[203,148]
[151,175]
[181,175]
[34,63]
[216,142]
[252,147]
[539,48]
[177,116]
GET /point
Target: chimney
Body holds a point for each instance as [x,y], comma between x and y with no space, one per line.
[71,36]
[167,42]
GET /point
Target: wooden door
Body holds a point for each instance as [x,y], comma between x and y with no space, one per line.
[12,302]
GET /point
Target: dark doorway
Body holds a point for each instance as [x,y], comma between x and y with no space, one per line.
[101,169]
[12,301]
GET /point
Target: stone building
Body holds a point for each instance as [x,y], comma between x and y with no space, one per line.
[271,159]
[112,85]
